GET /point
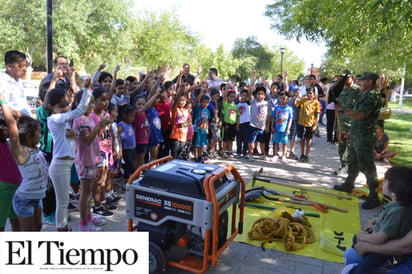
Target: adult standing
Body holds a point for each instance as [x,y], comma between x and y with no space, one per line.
[213,81]
[62,77]
[186,75]
[362,138]
[11,87]
[346,99]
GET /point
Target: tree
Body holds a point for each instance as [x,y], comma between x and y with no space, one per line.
[380,30]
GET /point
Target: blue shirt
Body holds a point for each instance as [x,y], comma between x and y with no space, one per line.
[282,115]
[155,125]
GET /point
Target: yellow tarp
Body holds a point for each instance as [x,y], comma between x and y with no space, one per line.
[334,230]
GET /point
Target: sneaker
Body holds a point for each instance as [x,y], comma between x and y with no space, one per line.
[302,158]
[263,157]
[343,187]
[275,158]
[251,159]
[371,203]
[110,207]
[71,207]
[283,159]
[293,156]
[97,220]
[224,155]
[89,227]
[50,219]
[102,211]
[112,199]
[230,154]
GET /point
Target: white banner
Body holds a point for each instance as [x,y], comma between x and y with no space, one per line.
[72,252]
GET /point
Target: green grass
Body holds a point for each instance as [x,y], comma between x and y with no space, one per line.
[399,130]
[406,103]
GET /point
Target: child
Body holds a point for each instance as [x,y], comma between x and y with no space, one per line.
[63,146]
[10,178]
[163,106]
[128,139]
[215,122]
[187,150]
[86,160]
[281,123]
[258,122]
[114,169]
[156,137]
[141,126]
[309,112]
[381,145]
[393,222]
[201,125]
[27,200]
[179,123]
[105,138]
[230,113]
[120,96]
[244,119]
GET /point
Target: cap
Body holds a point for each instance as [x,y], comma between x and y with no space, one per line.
[368,76]
[293,87]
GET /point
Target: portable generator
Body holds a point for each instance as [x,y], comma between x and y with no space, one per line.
[185,207]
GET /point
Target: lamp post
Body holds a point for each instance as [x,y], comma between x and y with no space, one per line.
[282,51]
[311,68]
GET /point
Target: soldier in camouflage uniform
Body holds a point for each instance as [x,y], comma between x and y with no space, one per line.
[362,138]
[346,99]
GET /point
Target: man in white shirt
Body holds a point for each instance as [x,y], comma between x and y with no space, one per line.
[11,87]
[213,81]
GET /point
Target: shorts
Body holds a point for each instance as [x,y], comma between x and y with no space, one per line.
[214,132]
[86,172]
[141,148]
[293,130]
[228,132]
[201,138]
[6,202]
[256,134]
[26,207]
[305,132]
[116,165]
[107,159]
[280,138]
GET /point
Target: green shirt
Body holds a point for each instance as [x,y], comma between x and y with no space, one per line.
[347,99]
[370,103]
[230,112]
[394,220]
[46,141]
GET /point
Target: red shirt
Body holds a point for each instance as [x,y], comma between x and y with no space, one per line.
[164,113]
[9,172]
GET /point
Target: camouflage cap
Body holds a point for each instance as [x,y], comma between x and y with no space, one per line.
[368,76]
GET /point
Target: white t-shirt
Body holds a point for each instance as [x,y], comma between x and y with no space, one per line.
[13,93]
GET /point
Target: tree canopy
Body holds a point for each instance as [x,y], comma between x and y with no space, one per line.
[376,31]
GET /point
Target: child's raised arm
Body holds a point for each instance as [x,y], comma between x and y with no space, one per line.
[19,153]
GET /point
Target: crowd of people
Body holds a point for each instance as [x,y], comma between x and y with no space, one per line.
[83,138]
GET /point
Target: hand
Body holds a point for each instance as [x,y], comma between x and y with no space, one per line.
[117,68]
[361,248]
[104,122]
[58,73]
[88,83]
[101,67]
[71,133]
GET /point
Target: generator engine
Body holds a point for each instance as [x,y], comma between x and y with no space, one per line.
[171,203]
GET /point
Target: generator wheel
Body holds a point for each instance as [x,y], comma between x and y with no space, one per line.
[157,259]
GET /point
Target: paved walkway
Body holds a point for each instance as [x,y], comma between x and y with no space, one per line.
[243,258]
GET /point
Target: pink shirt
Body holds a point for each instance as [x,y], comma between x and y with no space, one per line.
[9,172]
[104,138]
[141,128]
[86,155]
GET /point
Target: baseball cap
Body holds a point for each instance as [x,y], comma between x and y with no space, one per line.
[368,76]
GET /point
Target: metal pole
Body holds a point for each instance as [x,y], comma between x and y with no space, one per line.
[311,68]
[402,87]
[49,34]
[282,51]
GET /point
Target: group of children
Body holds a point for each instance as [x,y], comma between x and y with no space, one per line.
[118,124]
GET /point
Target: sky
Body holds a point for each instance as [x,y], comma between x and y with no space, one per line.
[223,21]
